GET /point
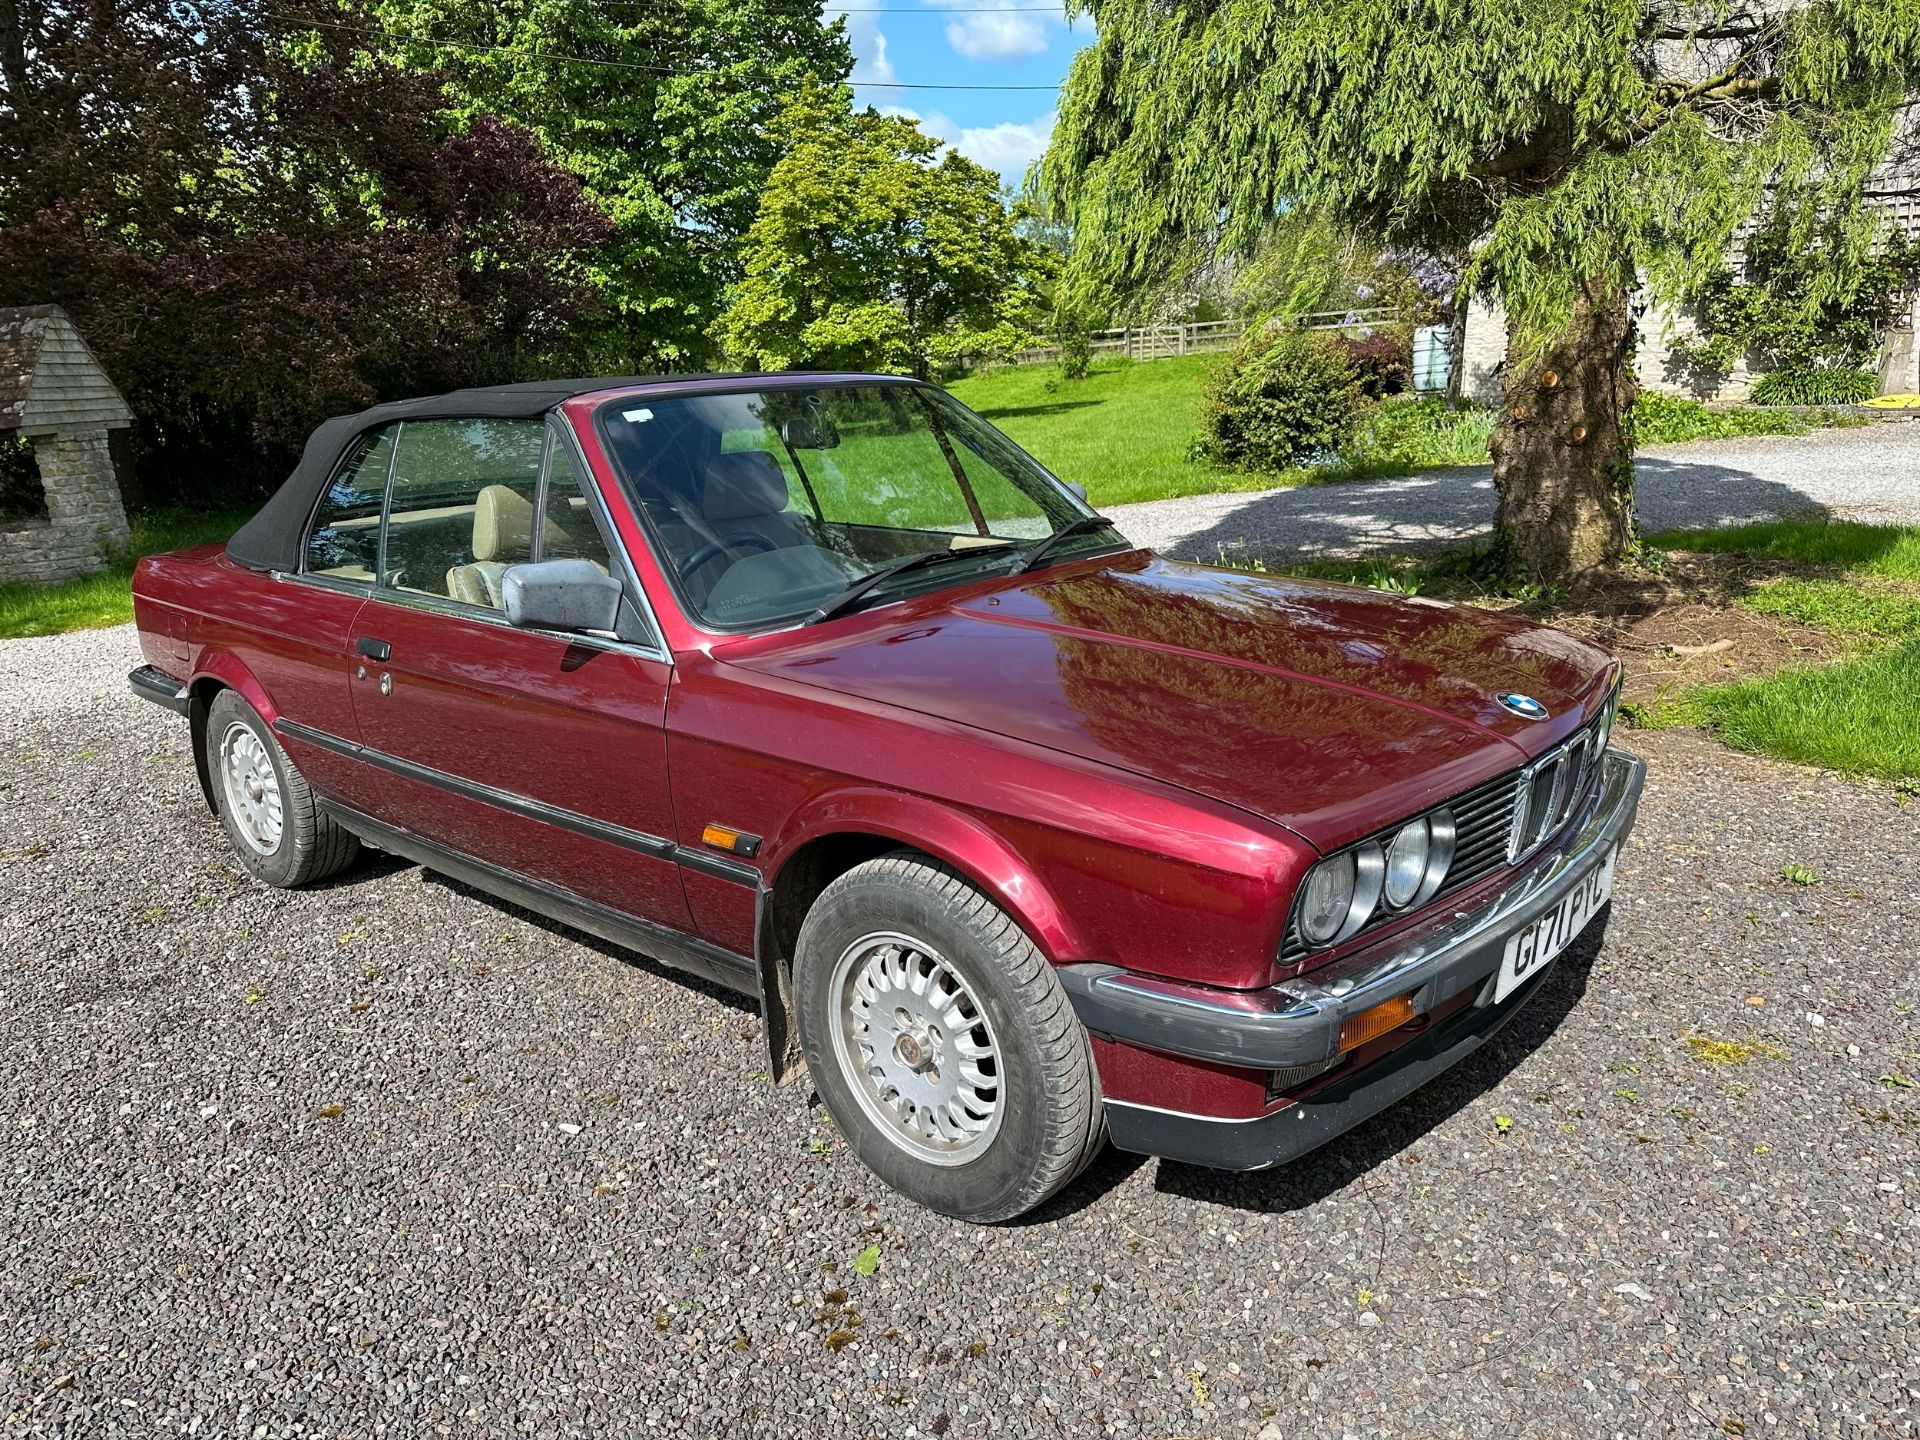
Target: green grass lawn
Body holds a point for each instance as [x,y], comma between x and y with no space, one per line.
[1123,432]
[1860,584]
[105,599]
[1861,715]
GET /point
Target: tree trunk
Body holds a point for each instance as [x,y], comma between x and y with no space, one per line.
[1457,347]
[1562,450]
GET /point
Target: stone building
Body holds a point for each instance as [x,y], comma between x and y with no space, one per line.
[54,395]
[1895,192]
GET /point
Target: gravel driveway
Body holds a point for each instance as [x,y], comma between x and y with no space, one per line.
[389,1158]
[1871,473]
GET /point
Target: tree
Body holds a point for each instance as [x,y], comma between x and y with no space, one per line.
[664,110]
[1579,149]
[869,252]
[256,224]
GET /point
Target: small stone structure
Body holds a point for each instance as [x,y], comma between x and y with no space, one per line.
[54,394]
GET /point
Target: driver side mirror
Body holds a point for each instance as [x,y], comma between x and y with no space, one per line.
[1079,490]
[561,595]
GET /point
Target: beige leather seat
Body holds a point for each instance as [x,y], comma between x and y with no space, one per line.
[745,493]
[502,537]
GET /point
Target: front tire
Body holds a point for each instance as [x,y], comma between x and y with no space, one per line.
[941,1041]
[279,834]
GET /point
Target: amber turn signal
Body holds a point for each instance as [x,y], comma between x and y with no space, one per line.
[1372,1024]
[720,837]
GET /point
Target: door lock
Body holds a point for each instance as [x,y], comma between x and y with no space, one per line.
[386,683]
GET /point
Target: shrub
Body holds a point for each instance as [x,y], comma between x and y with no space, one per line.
[1283,397]
[1660,419]
[1409,433]
[1817,385]
[1383,360]
[1076,353]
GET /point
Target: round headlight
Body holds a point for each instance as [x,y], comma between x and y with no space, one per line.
[1407,863]
[1326,898]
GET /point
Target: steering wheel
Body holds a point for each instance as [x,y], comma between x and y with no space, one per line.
[714,549]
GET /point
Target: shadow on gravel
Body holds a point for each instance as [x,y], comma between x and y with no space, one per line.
[371,865]
[635,958]
[1374,1142]
[1440,508]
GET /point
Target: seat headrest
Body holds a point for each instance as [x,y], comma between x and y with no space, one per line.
[503,526]
[743,486]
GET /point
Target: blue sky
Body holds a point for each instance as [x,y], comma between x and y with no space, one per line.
[960,43]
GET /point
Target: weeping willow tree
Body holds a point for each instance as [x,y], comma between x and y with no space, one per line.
[1578,149]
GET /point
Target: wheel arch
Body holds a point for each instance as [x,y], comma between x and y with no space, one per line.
[218,670]
[847,830]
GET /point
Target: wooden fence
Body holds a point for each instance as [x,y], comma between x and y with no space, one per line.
[1201,337]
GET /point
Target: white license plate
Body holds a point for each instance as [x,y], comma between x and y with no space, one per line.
[1533,949]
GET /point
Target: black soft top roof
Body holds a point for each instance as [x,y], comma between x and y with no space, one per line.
[273,538]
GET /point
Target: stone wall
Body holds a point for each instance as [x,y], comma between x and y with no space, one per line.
[85,520]
[1657,366]
[1483,347]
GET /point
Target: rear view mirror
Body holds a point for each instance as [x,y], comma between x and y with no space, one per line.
[810,429]
[561,595]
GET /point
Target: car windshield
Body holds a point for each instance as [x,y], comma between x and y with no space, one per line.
[774,506]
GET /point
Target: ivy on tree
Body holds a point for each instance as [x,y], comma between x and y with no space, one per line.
[871,250]
[1576,149]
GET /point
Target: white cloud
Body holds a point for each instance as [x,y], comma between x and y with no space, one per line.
[1008,147]
[870,63]
[997,36]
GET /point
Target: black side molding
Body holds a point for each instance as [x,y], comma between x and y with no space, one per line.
[670,947]
[159,687]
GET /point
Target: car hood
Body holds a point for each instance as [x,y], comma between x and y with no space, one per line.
[1326,708]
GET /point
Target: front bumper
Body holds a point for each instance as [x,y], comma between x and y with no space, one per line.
[1297,1023]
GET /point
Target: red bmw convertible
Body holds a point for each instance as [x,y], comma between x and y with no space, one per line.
[820,687]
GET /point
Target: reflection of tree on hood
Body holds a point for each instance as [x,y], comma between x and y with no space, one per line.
[1143,702]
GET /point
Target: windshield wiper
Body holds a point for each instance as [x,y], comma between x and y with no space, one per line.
[1040,549]
[852,595]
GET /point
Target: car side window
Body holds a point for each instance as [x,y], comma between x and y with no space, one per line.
[344,542]
[570,531]
[462,507]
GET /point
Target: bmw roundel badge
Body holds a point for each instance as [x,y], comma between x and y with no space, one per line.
[1525,706]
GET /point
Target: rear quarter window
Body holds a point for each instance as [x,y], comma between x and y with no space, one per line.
[344,542]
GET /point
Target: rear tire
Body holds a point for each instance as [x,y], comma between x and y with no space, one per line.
[279,834]
[941,1041]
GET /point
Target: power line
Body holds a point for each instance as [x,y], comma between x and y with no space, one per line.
[549,57]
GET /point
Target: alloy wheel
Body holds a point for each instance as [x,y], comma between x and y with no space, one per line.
[252,788]
[915,1048]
